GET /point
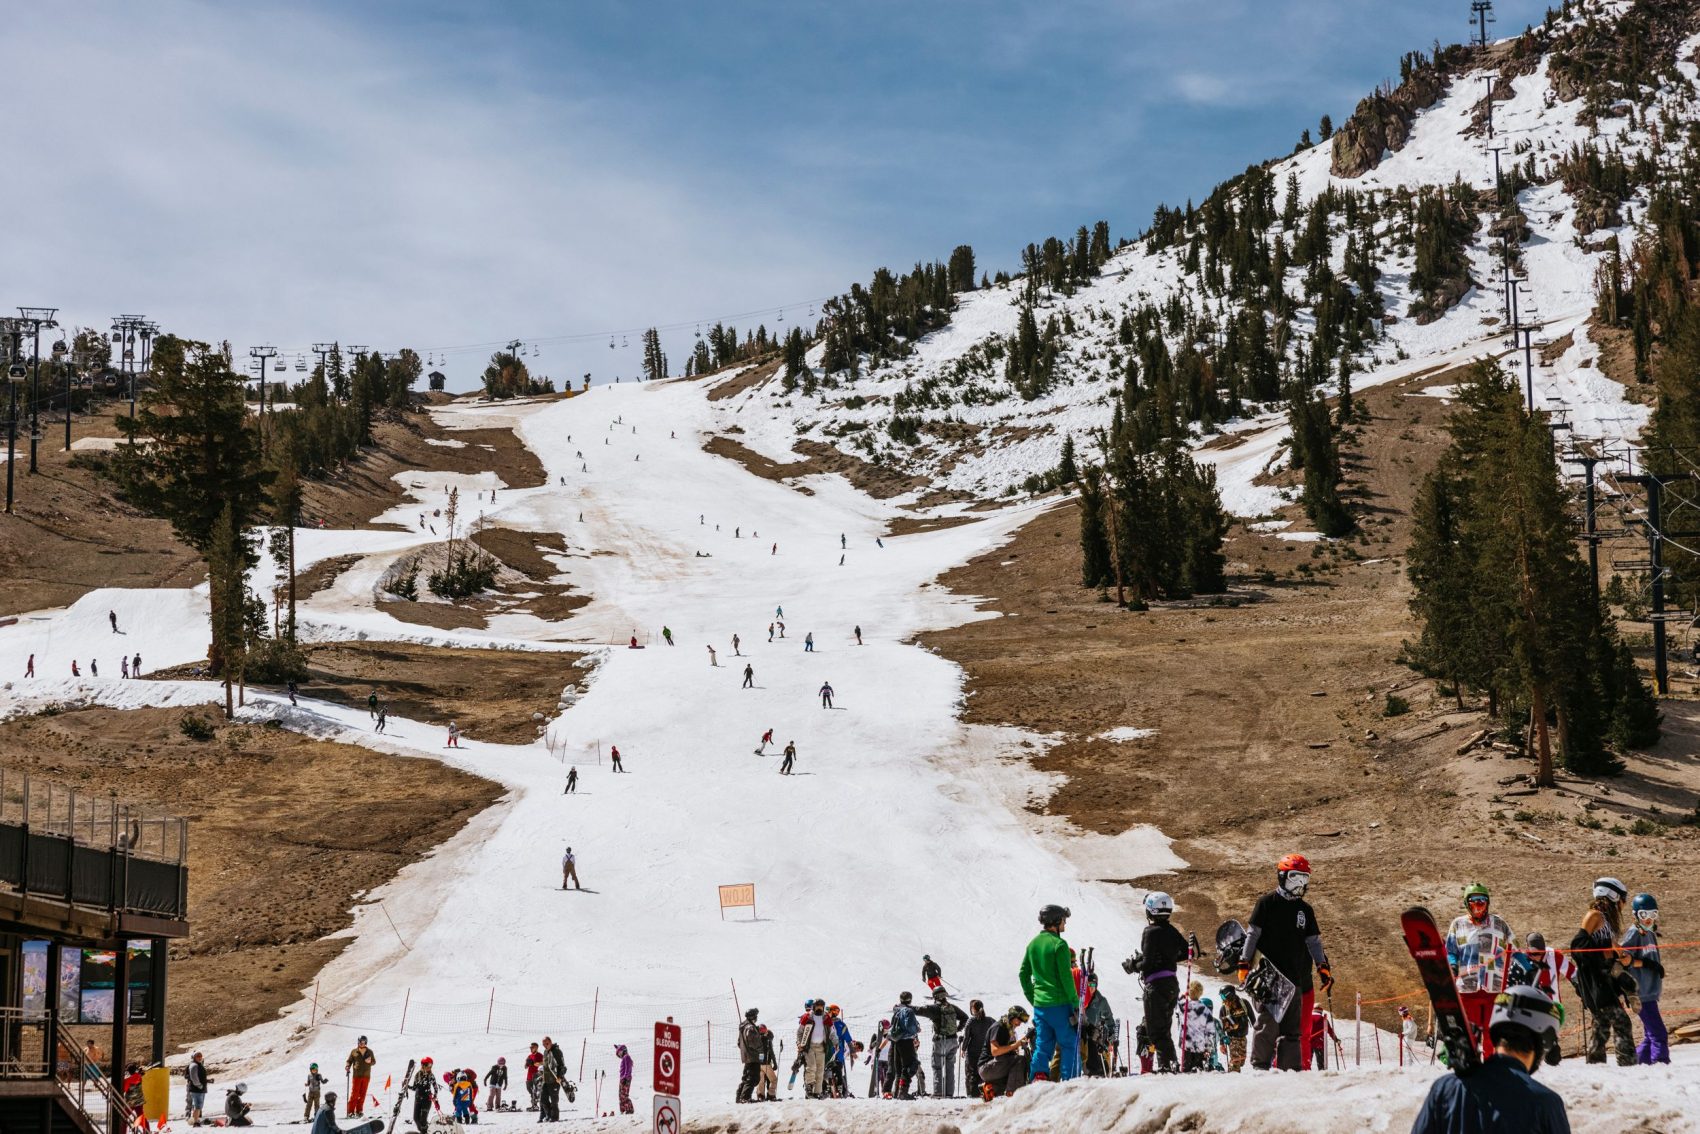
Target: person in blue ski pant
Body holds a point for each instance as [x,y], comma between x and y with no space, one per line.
[1047,980]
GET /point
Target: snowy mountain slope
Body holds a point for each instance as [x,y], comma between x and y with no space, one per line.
[952,378]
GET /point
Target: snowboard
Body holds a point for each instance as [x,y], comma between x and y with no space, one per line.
[1266,986]
[406,1082]
[1428,949]
[156,1094]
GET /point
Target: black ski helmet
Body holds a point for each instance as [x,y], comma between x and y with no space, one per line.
[1053,915]
[750,1015]
[330,1099]
[904,998]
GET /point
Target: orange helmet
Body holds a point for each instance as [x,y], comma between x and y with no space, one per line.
[1294,862]
[832,1009]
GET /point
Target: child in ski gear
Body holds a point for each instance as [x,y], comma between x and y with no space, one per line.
[1502,1094]
[1047,980]
[462,1089]
[625,1078]
[1321,1031]
[1601,979]
[1475,948]
[931,975]
[497,1080]
[569,869]
[359,1066]
[1284,929]
[1642,945]
[131,1087]
[1198,1025]
[1235,1020]
[454,735]
[843,1055]
[315,1084]
[1162,952]
[947,1020]
[1407,1035]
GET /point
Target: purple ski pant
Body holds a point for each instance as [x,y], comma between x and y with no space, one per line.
[1655,1041]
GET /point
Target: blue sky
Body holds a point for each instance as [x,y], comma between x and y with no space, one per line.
[428,173]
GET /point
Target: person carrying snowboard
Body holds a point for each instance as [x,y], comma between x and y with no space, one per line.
[1601,979]
[1475,948]
[1283,928]
[358,1066]
[931,975]
[1162,952]
[1047,980]
[814,1043]
[1501,1096]
[315,1084]
[554,1075]
[948,1021]
[1642,945]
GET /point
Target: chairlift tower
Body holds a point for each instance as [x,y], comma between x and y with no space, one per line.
[1481,15]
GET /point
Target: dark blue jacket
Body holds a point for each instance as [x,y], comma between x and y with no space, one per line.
[1498,1098]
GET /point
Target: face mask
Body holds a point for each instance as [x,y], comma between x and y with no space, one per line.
[1296,884]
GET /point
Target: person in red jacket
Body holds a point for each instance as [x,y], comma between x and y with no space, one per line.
[533,1062]
[1321,1031]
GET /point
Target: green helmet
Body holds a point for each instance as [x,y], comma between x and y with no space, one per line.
[1475,890]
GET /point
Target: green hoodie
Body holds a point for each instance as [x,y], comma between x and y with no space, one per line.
[1047,977]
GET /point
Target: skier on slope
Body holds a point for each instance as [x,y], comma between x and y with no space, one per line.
[569,869]
[826,695]
[1047,980]
[1162,952]
[1502,1097]
[749,676]
[614,758]
[931,975]
[572,780]
[1475,948]
[766,739]
[667,633]
[790,758]
[310,1093]
[1283,928]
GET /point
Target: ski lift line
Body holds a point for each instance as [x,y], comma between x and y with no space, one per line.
[625,332]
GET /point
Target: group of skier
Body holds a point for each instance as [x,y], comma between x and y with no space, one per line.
[128,666]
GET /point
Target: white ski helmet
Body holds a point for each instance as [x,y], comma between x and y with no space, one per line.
[1528,1008]
[241,1088]
[1610,888]
[1159,904]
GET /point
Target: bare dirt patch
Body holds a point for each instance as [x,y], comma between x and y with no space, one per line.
[70,534]
[1270,735]
[284,833]
[321,575]
[748,380]
[491,694]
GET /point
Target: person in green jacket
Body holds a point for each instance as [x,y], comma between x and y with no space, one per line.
[1047,980]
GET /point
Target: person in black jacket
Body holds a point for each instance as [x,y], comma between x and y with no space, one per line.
[424,1088]
[497,1080]
[1162,951]
[1502,1093]
[1283,928]
[750,1054]
[974,1037]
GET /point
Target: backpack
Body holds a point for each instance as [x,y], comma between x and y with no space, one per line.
[903,1025]
[947,1026]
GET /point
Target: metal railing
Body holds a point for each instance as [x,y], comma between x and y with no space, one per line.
[87,1088]
[21,1054]
[100,823]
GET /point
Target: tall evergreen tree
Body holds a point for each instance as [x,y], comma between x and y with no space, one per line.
[654,360]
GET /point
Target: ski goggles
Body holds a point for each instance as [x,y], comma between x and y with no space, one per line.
[1296,882]
[1647,917]
[1477,900]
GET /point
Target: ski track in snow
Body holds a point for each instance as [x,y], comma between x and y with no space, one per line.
[904,833]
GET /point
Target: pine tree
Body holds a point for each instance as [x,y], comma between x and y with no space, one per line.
[1067,473]
[654,360]
[1095,568]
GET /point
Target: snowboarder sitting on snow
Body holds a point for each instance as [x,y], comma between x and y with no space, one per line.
[1162,951]
[1502,1094]
[235,1110]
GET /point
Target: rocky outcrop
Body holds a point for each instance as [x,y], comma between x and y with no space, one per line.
[1381,124]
